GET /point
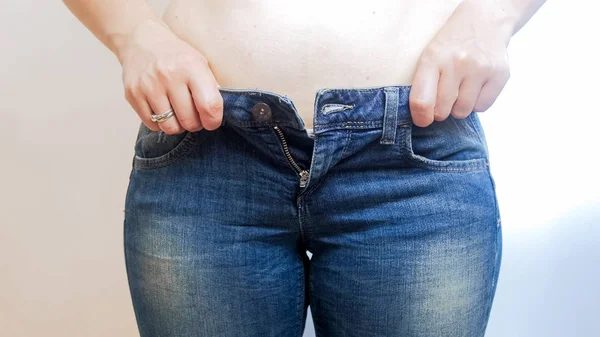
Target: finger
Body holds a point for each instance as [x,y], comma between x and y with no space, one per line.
[160,104]
[142,108]
[448,90]
[183,104]
[207,98]
[423,93]
[468,93]
[490,91]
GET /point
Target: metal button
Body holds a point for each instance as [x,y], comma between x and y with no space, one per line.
[261,112]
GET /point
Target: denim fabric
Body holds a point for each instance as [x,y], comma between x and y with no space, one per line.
[402,221]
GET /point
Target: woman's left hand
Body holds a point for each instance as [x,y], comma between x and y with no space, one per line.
[465,66]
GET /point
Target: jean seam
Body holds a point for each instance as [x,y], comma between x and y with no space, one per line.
[316,320]
[358,125]
[348,137]
[363,89]
[268,123]
[374,123]
[301,294]
[178,152]
[474,127]
[128,273]
[479,132]
[495,268]
[477,164]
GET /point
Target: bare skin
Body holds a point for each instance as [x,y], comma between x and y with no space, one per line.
[452,52]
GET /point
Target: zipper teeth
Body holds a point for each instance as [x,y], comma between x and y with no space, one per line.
[286,150]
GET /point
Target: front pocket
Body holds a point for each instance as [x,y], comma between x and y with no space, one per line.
[449,145]
[154,149]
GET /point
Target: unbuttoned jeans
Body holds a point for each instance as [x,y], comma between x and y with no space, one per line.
[402,221]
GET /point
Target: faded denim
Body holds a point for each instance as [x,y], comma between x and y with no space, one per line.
[402,222]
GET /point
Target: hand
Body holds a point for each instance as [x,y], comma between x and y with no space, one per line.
[162,71]
[464,67]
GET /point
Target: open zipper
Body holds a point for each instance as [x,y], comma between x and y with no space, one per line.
[302,173]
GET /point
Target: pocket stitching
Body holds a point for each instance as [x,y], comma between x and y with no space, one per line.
[166,159]
[477,164]
[468,165]
[475,128]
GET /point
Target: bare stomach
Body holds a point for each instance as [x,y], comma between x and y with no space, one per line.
[295,48]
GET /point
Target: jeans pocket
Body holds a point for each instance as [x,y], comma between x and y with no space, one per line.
[453,145]
[155,149]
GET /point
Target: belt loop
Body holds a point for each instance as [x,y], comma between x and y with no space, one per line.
[390,115]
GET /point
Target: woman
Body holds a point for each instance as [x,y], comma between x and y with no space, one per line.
[345,129]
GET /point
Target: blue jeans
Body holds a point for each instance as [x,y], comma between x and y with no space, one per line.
[402,221]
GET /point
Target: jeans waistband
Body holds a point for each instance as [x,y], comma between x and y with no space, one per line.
[334,108]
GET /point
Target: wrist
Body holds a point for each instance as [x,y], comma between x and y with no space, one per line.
[500,13]
[118,41]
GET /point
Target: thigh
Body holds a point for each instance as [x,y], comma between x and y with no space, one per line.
[210,245]
[420,266]
[403,248]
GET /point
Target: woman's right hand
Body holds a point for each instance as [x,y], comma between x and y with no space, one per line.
[161,71]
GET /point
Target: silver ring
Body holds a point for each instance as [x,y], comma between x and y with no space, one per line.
[163,116]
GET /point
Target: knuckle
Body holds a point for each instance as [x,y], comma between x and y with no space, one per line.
[482,105]
[212,123]
[195,127]
[478,63]
[151,125]
[501,67]
[130,89]
[192,126]
[440,116]
[481,108]
[214,106]
[129,94]
[433,53]
[184,121]
[441,110]
[212,113]
[461,58]
[172,129]
[422,108]
[462,103]
[189,123]
[429,54]
[423,122]
[461,113]
[147,85]
[165,69]
[461,109]
[449,98]
[482,64]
